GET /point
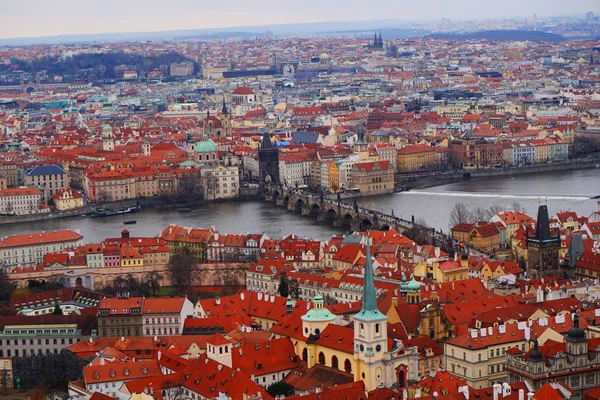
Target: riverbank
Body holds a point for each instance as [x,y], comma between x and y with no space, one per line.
[423,181]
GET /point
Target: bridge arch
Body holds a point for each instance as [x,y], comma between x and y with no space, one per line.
[299,205]
[315,209]
[347,221]
[385,227]
[365,224]
[98,283]
[330,215]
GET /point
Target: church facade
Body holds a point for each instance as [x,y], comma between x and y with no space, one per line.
[364,352]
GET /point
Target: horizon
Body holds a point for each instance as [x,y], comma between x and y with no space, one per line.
[47,21]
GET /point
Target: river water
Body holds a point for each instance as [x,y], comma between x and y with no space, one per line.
[565,190]
[561,191]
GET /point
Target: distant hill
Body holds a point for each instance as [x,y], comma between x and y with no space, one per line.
[386,33]
[501,35]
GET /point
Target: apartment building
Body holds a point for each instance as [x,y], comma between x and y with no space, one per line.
[29,249]
[48,179]
[21,201]
[479,357]
[22,336]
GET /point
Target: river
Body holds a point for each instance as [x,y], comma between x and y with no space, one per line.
[564,190]
[560,190]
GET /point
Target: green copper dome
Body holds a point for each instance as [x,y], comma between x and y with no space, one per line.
[413,285]
[188,163]
[206,146]
[318,313]
[106,128]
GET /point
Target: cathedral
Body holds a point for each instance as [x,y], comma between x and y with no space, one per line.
[377,42]
[216,127]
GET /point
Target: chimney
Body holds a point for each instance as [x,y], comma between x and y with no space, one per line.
[159,355]
[122,338]
[521,394]
[496,389]
[217,300]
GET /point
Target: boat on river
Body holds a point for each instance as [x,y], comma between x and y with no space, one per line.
[107,212]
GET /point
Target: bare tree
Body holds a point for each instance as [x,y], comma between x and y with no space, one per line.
[480,214]
[516,206]
[495,209]
[459,214]
[153,280]
[184,270]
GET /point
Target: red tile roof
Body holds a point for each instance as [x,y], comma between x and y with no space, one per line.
[39,238]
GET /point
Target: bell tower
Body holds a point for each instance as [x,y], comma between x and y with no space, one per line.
[108,140]
[146,148]
[370,334]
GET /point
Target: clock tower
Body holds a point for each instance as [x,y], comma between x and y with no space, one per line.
[370,334]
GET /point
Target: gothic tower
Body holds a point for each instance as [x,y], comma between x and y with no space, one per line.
[108,140]
[268,161]
[370,334]
[225,119]
[542,248]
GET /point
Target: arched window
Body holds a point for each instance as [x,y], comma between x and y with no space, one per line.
[321,358]
[305,354]
[376,328]
[334,362]
[347,366]
[401,378]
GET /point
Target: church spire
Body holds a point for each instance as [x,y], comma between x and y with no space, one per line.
[224,111]
[369,311]
[369,300]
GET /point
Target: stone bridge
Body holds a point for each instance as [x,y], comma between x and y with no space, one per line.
[335,211]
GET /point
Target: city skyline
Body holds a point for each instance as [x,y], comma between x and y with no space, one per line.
[41,19]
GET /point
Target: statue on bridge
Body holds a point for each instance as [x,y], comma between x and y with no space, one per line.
[355,205]
[339,199]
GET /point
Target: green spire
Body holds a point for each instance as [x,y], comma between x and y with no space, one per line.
[369,311]
[369,300]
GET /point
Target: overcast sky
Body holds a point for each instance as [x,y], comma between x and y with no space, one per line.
[27,18]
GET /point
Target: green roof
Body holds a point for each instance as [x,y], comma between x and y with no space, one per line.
[206,146]
[414,285]
[188,163]
[318,313]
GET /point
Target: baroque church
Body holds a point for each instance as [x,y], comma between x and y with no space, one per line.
[363,352]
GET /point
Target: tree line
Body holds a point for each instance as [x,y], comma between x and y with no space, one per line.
[48,371]
[461,213]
